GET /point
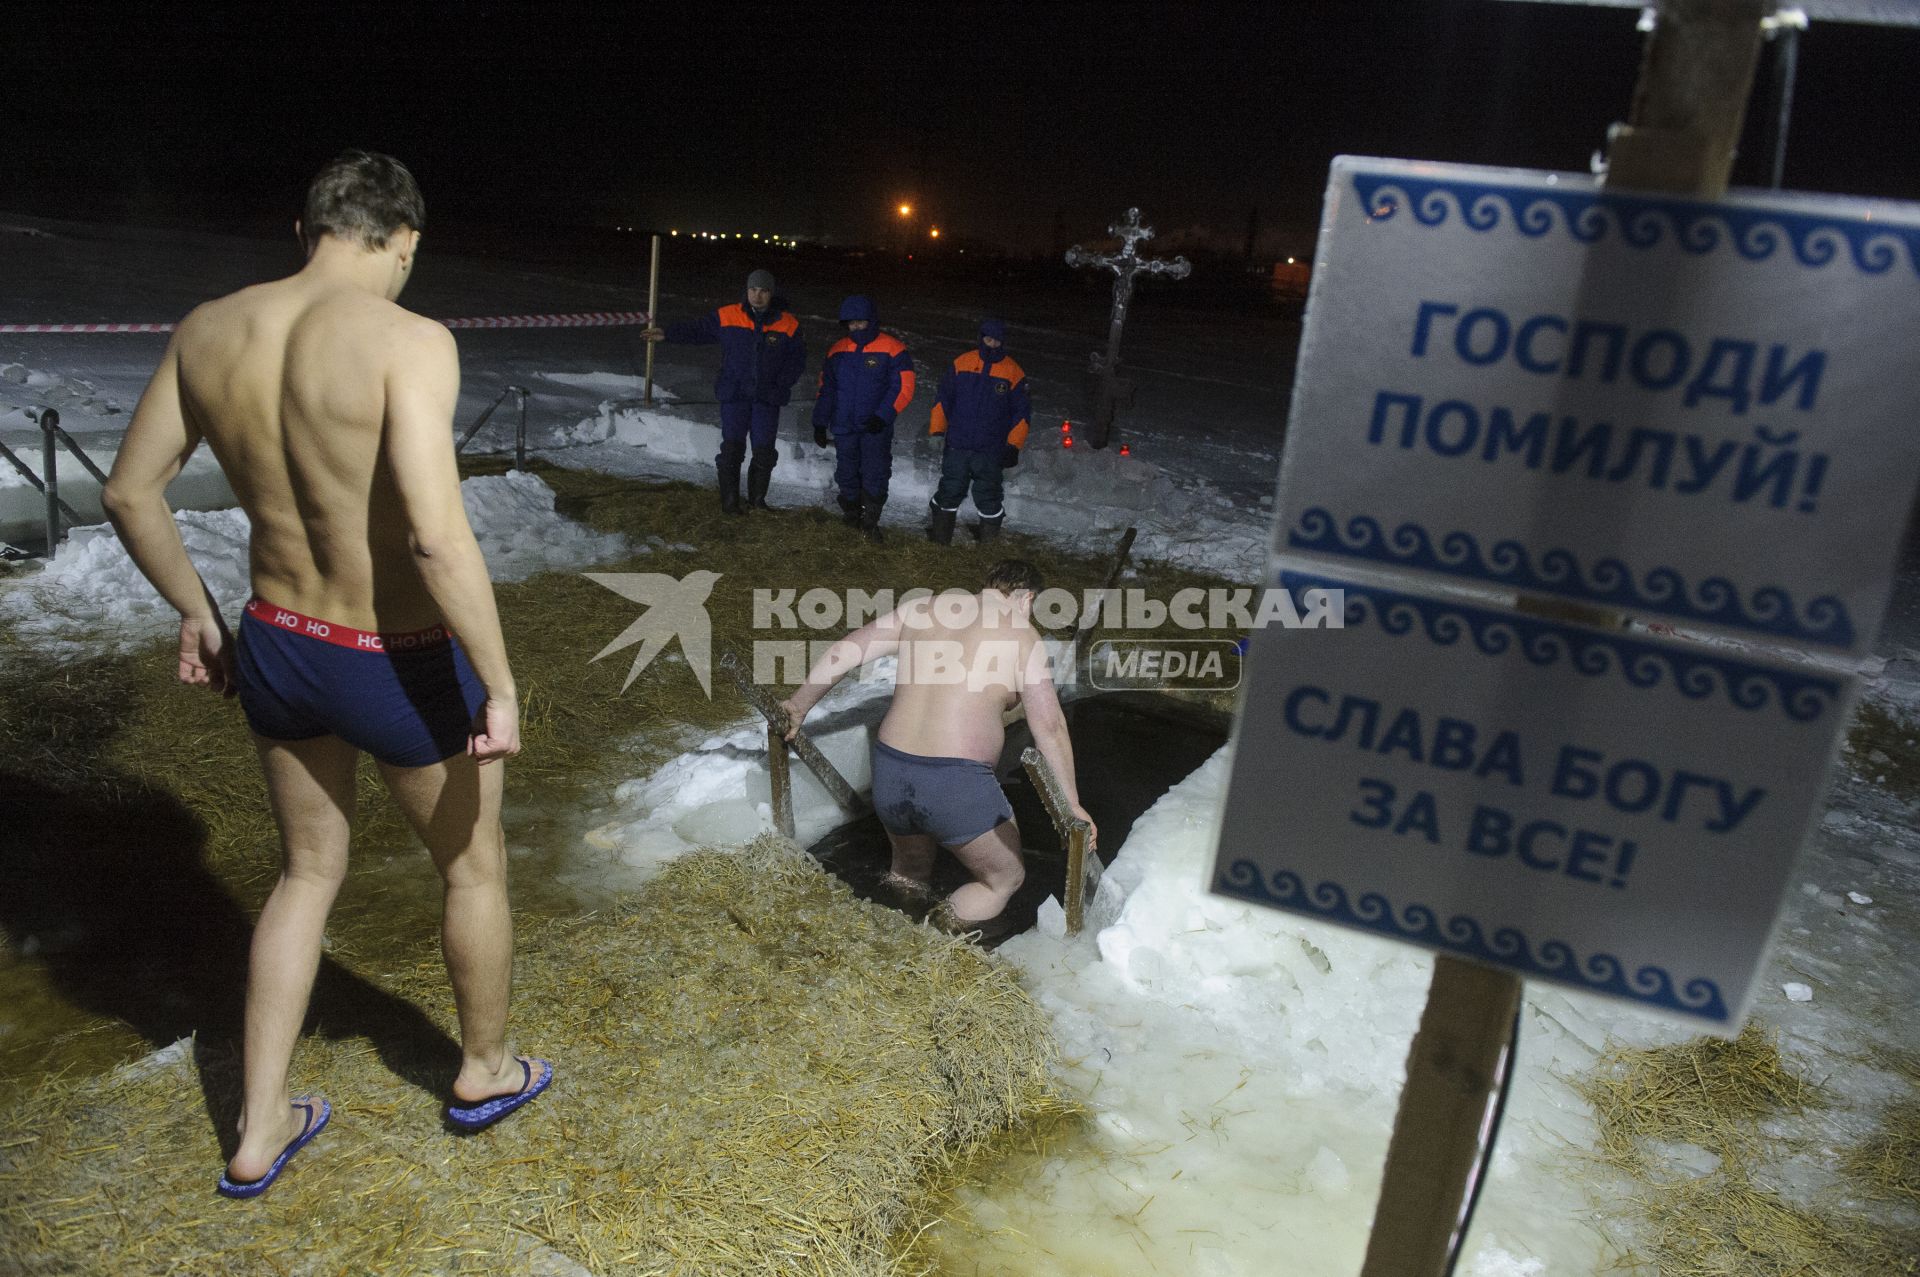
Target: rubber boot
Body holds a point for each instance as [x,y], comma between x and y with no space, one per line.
[727,464]
[850,511]
[940,529]
[990,526]
[759,475]
[870,519]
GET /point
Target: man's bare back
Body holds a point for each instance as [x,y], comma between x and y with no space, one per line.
[289,382]
[954,682]
[330,409]
[964,660]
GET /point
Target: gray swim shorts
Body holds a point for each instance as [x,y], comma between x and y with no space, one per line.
[954,799]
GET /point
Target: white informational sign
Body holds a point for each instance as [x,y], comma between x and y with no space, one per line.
[1697,411]
[1600,808]
[1518,384]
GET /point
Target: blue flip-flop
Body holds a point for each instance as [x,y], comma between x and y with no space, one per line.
[319,1112]
[480,1116]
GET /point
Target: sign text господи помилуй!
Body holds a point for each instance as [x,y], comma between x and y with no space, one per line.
[1515,383]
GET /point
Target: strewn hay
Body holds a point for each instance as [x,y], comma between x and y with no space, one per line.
[1887,1163]
[1725,1225]
[1719,1096]
[1707,1092]
[756,1074]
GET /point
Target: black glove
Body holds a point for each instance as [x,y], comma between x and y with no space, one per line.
[819,436]
[875,424]
[1009,457]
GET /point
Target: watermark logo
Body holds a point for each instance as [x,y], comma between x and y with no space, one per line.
[1205,665]
[943,638]
[675,609]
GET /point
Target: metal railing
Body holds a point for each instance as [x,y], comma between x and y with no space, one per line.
[47,481]
[520,431]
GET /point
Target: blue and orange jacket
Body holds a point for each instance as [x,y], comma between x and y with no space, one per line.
[866,374]
[761,356]
[983,406]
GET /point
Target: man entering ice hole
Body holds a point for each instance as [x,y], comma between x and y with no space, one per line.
[963,660]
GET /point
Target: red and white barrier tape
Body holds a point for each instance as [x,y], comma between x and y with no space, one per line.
[86,328]
[589,319]
[586,319]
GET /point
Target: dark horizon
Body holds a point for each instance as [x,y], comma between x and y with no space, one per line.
[1019,126]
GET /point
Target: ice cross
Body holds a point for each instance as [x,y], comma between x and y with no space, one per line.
[1124,264]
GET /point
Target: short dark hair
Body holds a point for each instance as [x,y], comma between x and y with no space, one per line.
[364,198]
[1009,575]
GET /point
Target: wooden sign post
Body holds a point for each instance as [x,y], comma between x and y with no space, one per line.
[1695,78]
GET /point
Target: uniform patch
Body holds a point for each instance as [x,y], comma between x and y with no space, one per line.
[1000,387]
[772,337]
[873,361]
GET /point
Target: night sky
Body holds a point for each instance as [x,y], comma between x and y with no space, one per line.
[996,121]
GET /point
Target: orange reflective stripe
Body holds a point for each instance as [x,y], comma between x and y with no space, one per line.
[1018,435]
[785,324]
[938,426]
[735,316]
[906,388]
[1008,371]
[969,362]
[887,344]
[840,347]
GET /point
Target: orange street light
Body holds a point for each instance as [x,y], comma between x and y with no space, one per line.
[906,210]
[936,232]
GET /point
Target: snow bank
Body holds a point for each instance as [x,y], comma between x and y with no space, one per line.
[1244,1067]
[719,792]
[521,534]
[91,597]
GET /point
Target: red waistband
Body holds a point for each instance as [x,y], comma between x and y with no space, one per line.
[345,635]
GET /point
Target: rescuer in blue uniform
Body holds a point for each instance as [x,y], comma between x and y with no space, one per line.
[761,357]
[982,409]
[866,380]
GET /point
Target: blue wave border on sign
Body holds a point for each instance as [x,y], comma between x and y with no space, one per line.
[1507,947]
[1640,663]
[1639,221]
[1770,610]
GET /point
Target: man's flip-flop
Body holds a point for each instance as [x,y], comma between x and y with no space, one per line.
[319,1112]
[479,1117]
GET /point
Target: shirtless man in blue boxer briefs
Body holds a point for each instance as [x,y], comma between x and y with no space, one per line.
[963,661]
[330,409]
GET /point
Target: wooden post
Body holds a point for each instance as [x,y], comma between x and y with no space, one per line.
[50,476]
[1679,138]
[828,775]
[778,773]
[1092,618]
[653,304]
[1083,871]
[520,433]
[1441,1131]
[1695,77]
